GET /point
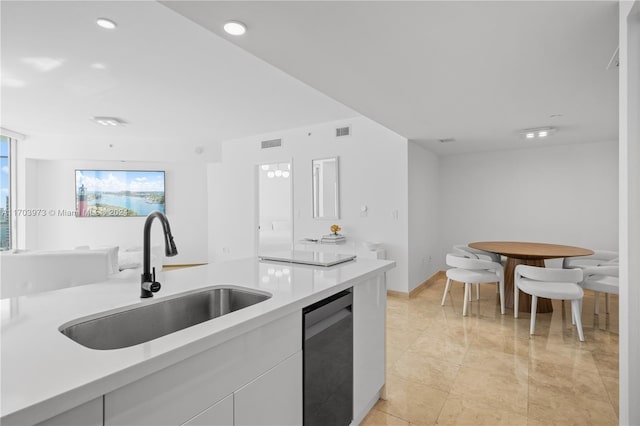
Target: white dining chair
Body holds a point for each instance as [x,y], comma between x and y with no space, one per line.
[469,270]
[551,283]
[474,253]
[598,258]
[601,279]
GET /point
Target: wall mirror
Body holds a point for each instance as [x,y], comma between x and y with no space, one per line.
[326,188]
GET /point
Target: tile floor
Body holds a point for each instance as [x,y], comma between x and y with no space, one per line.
[484,369]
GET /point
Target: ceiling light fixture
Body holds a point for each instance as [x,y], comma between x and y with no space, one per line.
[537,133]
[109,121]
[235,28]
[107,24]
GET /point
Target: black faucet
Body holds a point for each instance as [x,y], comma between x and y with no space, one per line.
[148,283]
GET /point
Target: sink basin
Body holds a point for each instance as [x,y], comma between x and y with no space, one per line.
[139,324]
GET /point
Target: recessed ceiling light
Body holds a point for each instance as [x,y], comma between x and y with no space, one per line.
[235,28]
[109,121]
[106,23]
[537,133]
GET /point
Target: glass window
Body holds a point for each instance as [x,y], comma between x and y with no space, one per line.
[5,194]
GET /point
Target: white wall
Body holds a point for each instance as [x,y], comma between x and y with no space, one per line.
[51,186]
[423,214]
[373,172]
[629,212]
[565,195]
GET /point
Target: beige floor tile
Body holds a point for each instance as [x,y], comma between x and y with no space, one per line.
[557,380]
[486,369]
[434,372]
[493,387]
[566,355]
[412,401]
[439,344]
[553,408]
[379,418]
[491,358]
[607,363]
[401,338]
[612,386]
[460,411]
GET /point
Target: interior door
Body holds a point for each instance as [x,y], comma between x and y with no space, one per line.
[275,224]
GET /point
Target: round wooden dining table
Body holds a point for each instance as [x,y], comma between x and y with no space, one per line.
[532,254]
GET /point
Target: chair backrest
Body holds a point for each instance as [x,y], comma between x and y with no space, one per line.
[548,274]
[456,260]
[609,270]
[464,250]
[480,254]
[598,257]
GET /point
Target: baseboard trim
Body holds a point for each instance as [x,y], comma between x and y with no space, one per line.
[429,281]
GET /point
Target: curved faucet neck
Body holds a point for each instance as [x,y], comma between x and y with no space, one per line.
[170,248]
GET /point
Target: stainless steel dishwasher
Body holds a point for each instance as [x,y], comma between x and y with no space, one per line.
[328,361]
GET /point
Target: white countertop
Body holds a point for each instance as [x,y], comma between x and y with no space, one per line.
[45,373]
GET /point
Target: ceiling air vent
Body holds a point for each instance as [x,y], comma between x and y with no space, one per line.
[343,131]
[271,143]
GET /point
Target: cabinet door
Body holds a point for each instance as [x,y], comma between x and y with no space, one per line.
[87,414]
[219,414]
[273,399]
[369,306]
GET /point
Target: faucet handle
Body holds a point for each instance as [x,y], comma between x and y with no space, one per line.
[152,286]
[153,274]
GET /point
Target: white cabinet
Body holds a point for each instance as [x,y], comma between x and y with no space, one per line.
[219,414]
[87,414]
[178,393]
[369,306]
[273,399]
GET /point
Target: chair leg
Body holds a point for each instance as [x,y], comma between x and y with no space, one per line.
[477,291]
[516,294]
[606,303]
[446,291]
[469,297]
[534,308]
[577,314]
[467,293]
[501,292]
[596,308]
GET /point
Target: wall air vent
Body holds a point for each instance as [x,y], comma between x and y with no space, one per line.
[446,140]
[343,131]
[273,143]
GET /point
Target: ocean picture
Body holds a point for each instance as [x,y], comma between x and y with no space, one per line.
[119,193]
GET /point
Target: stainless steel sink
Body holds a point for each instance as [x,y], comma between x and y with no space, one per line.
[139,324]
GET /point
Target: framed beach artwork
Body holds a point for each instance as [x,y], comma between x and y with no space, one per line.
[119,193]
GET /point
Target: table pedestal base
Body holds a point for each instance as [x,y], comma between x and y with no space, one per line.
[544,305]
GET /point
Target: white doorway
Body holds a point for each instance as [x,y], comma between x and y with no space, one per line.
[275,224]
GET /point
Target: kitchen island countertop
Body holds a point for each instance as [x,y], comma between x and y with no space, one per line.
[44,373]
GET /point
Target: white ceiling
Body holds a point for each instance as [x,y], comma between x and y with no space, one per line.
[474,71]
[178,85]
